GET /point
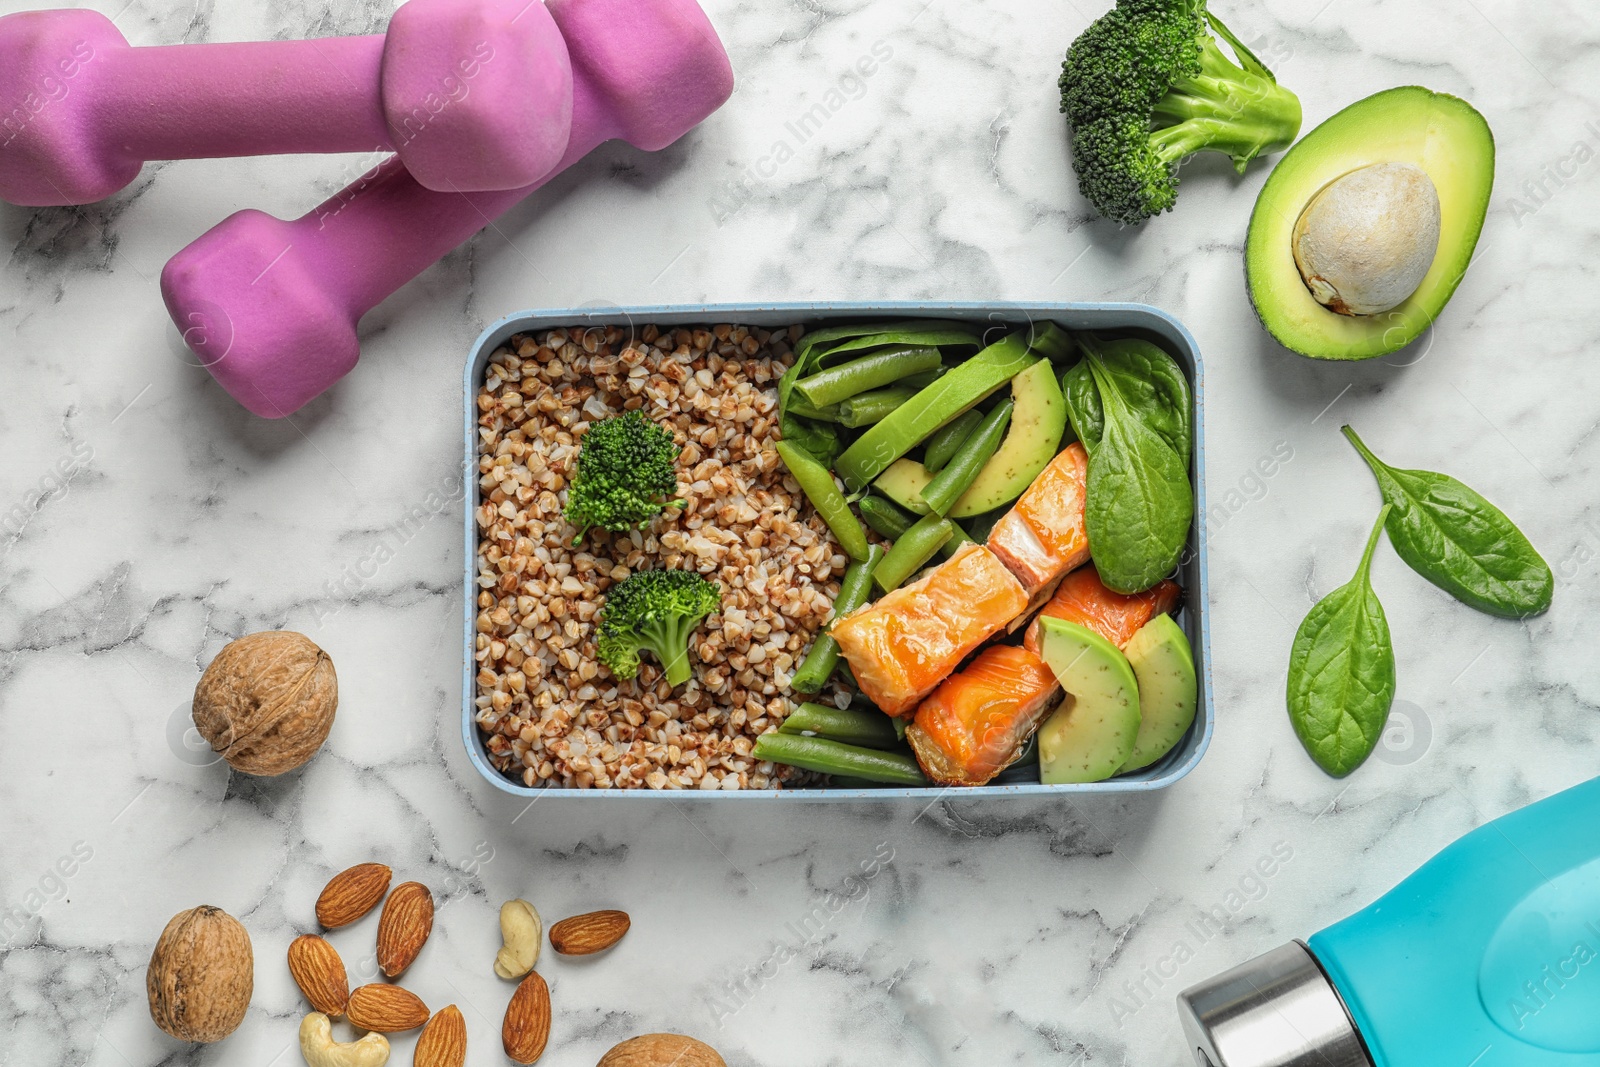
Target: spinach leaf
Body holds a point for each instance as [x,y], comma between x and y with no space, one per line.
[1138,504]
[1460,542]
[1083,404]
[1341,671]
[1152,383]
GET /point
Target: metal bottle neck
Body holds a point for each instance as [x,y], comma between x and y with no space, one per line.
[1277,1010]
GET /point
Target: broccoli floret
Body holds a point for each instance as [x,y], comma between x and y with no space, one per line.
[1146,85]
[654,611]
[627,473]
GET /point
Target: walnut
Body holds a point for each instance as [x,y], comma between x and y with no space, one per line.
[201,975]
[267,702]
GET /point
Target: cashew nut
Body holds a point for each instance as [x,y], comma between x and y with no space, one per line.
[321,1050]
[522,932]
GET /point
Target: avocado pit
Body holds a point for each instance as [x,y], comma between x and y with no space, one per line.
[1366,240]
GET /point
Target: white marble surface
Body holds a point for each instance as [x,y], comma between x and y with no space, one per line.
[149,519]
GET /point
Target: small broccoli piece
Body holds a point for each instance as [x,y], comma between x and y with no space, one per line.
[1147,85]
[627,473]
[654,611]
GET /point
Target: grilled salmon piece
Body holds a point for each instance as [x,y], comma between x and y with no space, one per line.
[976,723]
[1043,537]
[1083,599]
[905,644]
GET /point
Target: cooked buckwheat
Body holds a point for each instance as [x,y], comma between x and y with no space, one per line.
[552,714]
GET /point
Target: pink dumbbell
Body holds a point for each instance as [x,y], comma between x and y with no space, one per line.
[473,95]
[271,306]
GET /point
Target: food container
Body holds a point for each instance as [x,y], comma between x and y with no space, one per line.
[1123,318]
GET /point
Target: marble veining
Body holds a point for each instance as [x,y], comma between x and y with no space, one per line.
[145,519]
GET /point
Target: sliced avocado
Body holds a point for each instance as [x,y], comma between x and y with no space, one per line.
[1440,134]
[1031,443]
[903,483]
[1090,736]
[1037,423]
[1164,665]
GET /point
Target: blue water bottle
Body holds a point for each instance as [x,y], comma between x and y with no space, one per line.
[1489,956]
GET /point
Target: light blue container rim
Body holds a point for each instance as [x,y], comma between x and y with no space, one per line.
[1091,316]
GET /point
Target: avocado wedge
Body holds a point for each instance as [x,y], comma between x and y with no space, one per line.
[1092,734]
[904,482]
[1163,663]
[1355,192]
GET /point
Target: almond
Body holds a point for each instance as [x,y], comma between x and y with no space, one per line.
[443,1042]
[662,1050]
[319,972]
[527,1025]
[404,926]
[351,894]
[386,1009]
[592,932]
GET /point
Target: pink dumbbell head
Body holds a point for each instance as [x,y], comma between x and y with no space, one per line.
[271,306]
[472,94]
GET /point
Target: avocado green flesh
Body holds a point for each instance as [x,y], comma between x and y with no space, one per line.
[1091,735]
[1444,136]
[1037,423]
[1163,663]
[903,482]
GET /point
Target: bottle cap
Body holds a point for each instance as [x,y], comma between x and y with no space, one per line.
[1277,1010]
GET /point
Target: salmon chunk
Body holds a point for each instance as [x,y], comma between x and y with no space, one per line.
[905,644]
[1081,598]
[976,723]
[1043,537]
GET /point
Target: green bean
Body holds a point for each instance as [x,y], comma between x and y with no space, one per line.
[948,439]
[869,728]
[938,332]
[885,518]
[816,481]
[864,409]
[888,520]
[964,387]
[947,486]
[799,406]
[869,372]
[855,588]
[912,550]
[925,378]
[1050,341]
[833,757]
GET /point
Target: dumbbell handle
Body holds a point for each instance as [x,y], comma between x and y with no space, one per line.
[271,307]
[473,94]
[262,98]
[385,229]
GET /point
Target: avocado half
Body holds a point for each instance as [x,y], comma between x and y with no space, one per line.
[1446,137]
